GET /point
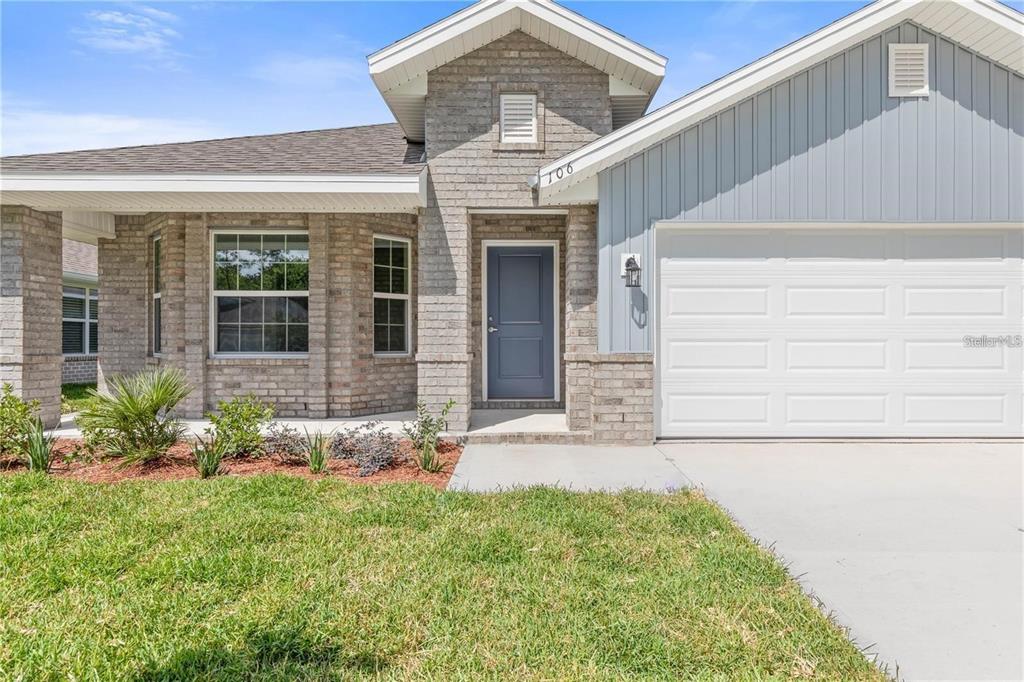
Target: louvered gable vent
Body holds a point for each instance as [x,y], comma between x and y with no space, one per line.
[908,70]
[518,118]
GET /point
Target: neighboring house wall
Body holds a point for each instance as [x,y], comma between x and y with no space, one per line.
[339,376]
[469,168]
[828,144]
[78,369]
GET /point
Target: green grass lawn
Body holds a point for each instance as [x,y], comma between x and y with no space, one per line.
[73,397]
[279,578]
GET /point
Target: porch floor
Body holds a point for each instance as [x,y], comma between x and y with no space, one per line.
[517,421]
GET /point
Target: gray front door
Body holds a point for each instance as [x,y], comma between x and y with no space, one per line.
[520,324]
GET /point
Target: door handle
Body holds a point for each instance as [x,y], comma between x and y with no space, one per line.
[492,329]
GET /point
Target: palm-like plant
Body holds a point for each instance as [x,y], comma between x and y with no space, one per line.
[133,422]
[37,446]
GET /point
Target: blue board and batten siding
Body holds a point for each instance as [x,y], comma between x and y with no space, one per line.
[826,145]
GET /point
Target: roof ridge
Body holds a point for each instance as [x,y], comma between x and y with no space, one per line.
[212,139]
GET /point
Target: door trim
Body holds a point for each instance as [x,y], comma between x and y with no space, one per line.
[485,245]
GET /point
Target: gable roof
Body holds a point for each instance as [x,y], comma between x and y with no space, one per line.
[984,26]
[399,70]
[362,150]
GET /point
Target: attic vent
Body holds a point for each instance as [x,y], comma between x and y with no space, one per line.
[518,118]
[908,70]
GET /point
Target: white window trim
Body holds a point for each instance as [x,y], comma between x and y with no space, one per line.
[86,346]
[214,293]
[153,339]
[404,297]
[501,108]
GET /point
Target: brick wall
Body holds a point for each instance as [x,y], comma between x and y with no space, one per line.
[30,306]
[468,168]
[78,369]
[622,398]
[123,298]
[580,312]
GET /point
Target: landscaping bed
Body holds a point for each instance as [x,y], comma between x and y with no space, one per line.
[178,463]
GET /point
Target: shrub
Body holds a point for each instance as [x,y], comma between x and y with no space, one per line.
[317,448]
[423,433]
[15,413]
[239,425]
[133,422]
[370,445]
[286,443]
[208,455]
[37,447]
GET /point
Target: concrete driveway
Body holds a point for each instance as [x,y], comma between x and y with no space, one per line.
[915,547]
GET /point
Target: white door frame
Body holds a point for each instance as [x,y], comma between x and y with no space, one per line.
[556,293]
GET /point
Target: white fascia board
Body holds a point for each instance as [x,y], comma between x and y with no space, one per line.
[330,184]
[674,117]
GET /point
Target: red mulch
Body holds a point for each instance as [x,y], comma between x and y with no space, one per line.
[177,465]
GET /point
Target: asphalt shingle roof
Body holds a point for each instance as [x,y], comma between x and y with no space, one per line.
[362,150]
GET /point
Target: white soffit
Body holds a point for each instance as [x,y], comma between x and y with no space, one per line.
[985,26]
[143,193]
[399,70]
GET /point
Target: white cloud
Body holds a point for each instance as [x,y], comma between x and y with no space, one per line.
[299,71]
[143,32]
[31,130]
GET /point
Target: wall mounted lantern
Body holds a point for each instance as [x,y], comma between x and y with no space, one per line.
[632,270]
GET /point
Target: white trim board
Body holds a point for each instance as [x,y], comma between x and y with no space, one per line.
[556,289]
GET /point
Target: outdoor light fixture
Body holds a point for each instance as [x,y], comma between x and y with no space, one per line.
[632,269]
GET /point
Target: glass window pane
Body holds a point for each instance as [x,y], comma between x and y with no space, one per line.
[298,338]
[227,338]
[381,252]
[74,307]
[274,338]
[73,340]
[399,281]
[74,291]
[225,248]
[298,277]
[399,254]
[156,266]
[298,309]
[252,310]
[226,278]
[273,277]
[227,309]
[298,248]
[397,340]
[94,309]
[157,327]
[397,315]
[381,280]
[380,338]
[275,309]
[380,311]
[250,277]
[251,338]
[273,248]
[94,338]
[250,248]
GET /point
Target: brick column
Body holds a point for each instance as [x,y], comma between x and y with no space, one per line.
[124,297]
[316,401]
[30,306]
[443,355]
[196,306]
[580,313]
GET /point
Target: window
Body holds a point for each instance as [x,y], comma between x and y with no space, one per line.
[391,258]
[908,70]
[157,284]
[518,118]
[261,292]
[80,321]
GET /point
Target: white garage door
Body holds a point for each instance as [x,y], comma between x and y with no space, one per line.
[839,333]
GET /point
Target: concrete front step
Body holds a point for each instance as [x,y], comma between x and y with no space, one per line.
[526,437]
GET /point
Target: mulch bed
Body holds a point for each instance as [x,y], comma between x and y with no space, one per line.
[177,465]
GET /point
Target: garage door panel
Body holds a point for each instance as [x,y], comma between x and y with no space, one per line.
[808,343]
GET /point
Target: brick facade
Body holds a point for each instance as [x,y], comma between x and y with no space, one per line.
[30,306]
[78,369]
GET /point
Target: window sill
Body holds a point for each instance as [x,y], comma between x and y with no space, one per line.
[80,356]
[263,359]
[391,356]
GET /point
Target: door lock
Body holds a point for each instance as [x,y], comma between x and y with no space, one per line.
[491,329]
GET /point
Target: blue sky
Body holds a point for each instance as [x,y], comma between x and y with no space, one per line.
[78,75]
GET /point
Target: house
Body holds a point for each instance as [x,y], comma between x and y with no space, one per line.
[824,243]
[79,312]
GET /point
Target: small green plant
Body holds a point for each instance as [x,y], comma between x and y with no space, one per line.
[208,455]
[14,414]
[133,422]
[424,431]
[37,447]
[239,426]
[318,448]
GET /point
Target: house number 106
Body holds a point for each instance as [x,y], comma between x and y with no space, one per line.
[560,172]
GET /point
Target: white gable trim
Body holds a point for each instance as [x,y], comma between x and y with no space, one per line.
[588,161]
